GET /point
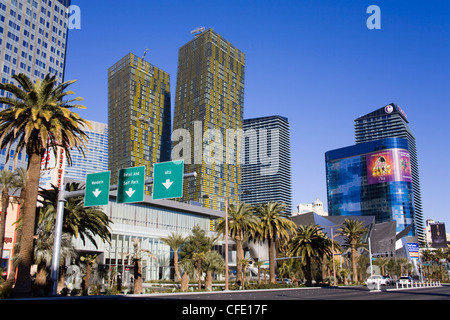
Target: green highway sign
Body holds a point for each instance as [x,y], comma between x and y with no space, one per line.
[97,189]
[168,179]
[131,184]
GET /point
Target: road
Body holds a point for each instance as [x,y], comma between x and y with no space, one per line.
[330,293]
[277,304]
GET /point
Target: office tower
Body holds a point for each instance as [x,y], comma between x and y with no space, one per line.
[372,179]
[209,104]
[33,38]
[96,155]
[266,161]
[138,115]
[389,122]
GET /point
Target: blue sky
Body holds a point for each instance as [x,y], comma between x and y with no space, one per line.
[314,62]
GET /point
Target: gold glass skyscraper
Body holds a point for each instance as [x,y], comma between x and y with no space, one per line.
[138,115]
[209,104]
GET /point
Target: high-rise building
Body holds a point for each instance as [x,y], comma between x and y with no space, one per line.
[372,179]
[95,158]
[209,105]
[33,38]
[266,161]
[389,122]
[139,115]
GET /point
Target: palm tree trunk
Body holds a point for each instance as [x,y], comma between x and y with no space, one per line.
[239,257]
[175,264]
[308,271]
[41,280]
[137,277]
[12,273]
[22,287]
[354,262]
[208,280]
[271,260]
[324,267]
[199,272]
[5,204]
[87,279]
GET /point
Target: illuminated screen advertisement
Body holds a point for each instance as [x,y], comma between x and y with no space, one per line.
[388,165]
[438,235]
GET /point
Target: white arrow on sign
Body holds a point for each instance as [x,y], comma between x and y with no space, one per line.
[167,184]
[97,192]
[130,192]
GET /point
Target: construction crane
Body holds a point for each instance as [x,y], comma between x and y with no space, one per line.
[145,53]
[198,30]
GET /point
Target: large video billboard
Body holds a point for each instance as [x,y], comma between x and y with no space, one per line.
[438,235]
[388,165]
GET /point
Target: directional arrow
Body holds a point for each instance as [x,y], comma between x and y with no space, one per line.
[97,192]
[167,184]
[130,192]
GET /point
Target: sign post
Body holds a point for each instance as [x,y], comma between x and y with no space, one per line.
[168,180]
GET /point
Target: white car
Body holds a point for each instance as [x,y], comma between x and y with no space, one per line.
[405,280]
[376,279]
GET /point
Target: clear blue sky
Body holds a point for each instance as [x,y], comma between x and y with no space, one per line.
[314,62]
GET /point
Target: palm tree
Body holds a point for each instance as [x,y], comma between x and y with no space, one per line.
[89,259]
[309,242]
[382,263]
[259,264]
[137,265]
[80,221]
[274,224]
[175,241]
[43,254]
[402,262]
[193,251]
[352,230]
[242,223]
[440,256]
[38,119]
[427,256]
[7,181]
[212,262]
[244,264]
[198,258]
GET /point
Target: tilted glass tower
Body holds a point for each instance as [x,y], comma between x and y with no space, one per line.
[389,122]
[372,179]
[209,105]
[138,115]
[266,161]
[33,38]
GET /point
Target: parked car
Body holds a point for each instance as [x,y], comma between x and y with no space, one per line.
[405,280]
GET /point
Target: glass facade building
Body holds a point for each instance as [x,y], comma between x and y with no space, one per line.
[96,153]
[209,105]
[33,38]
[266,161]
[147,222]
[372,179]
[139,115]
[389,122]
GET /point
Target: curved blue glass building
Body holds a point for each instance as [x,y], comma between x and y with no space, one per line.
[372,179]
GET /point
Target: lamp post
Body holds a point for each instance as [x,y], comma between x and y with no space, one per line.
[226,232]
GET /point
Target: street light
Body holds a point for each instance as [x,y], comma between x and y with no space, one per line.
[226,231]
